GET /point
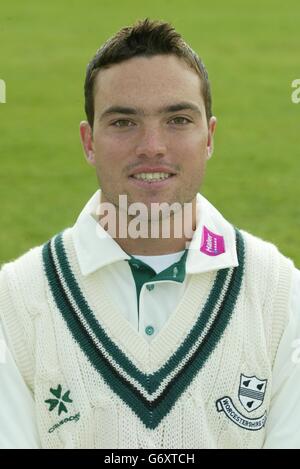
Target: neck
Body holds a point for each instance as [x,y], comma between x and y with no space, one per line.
[166,235]
[152,247]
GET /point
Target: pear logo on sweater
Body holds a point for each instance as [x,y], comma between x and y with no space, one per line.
[60,400]
[251,394]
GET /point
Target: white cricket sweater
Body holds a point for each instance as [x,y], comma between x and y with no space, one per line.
[203,382]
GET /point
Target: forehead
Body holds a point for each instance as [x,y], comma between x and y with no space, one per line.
[147,81]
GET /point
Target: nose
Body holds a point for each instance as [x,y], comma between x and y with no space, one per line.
[151,142]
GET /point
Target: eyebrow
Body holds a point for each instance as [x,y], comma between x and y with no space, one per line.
[163,110]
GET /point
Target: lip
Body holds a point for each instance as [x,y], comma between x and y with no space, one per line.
[152,169]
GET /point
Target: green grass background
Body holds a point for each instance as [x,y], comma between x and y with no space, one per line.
[251,50]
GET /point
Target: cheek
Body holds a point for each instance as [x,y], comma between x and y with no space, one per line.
[191,152]
[199,140]
[108,153]
[190,142]
[113,143]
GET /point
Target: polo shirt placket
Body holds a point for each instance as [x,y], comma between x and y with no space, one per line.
[143,274]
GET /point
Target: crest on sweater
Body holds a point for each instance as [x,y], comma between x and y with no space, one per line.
[251,394]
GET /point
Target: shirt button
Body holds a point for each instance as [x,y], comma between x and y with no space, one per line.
[175,272]
[149,330]
[150,286]
[136,266]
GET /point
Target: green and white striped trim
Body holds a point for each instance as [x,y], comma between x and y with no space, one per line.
[150,396]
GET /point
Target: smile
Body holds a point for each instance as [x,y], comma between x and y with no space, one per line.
[152,177]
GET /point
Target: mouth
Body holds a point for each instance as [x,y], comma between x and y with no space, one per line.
[152,180]
[152,176]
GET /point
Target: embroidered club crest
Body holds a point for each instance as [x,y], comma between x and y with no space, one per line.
[252,392]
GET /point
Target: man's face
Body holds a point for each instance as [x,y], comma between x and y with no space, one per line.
[149,118]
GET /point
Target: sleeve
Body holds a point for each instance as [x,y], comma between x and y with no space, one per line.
[18,428]
[282,427]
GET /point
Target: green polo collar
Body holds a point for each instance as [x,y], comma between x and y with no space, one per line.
[175,272]
[143,273]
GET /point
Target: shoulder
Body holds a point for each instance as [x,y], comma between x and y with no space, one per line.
[263,252]
[22,273]
[23,278]
[267,271]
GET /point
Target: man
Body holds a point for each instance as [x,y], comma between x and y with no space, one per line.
[128,334]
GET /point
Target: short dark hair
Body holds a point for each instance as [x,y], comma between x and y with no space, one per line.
[145,38]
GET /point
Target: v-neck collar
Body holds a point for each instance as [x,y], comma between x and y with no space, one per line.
[148,377]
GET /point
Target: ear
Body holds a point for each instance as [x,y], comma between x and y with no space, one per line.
[210,141]
[86,136]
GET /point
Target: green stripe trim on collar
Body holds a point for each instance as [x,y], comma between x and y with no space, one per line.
[150,396]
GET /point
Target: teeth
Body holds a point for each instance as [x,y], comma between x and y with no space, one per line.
[152,176]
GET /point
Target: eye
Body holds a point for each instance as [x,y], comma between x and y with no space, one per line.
[180,120]
[122,123]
